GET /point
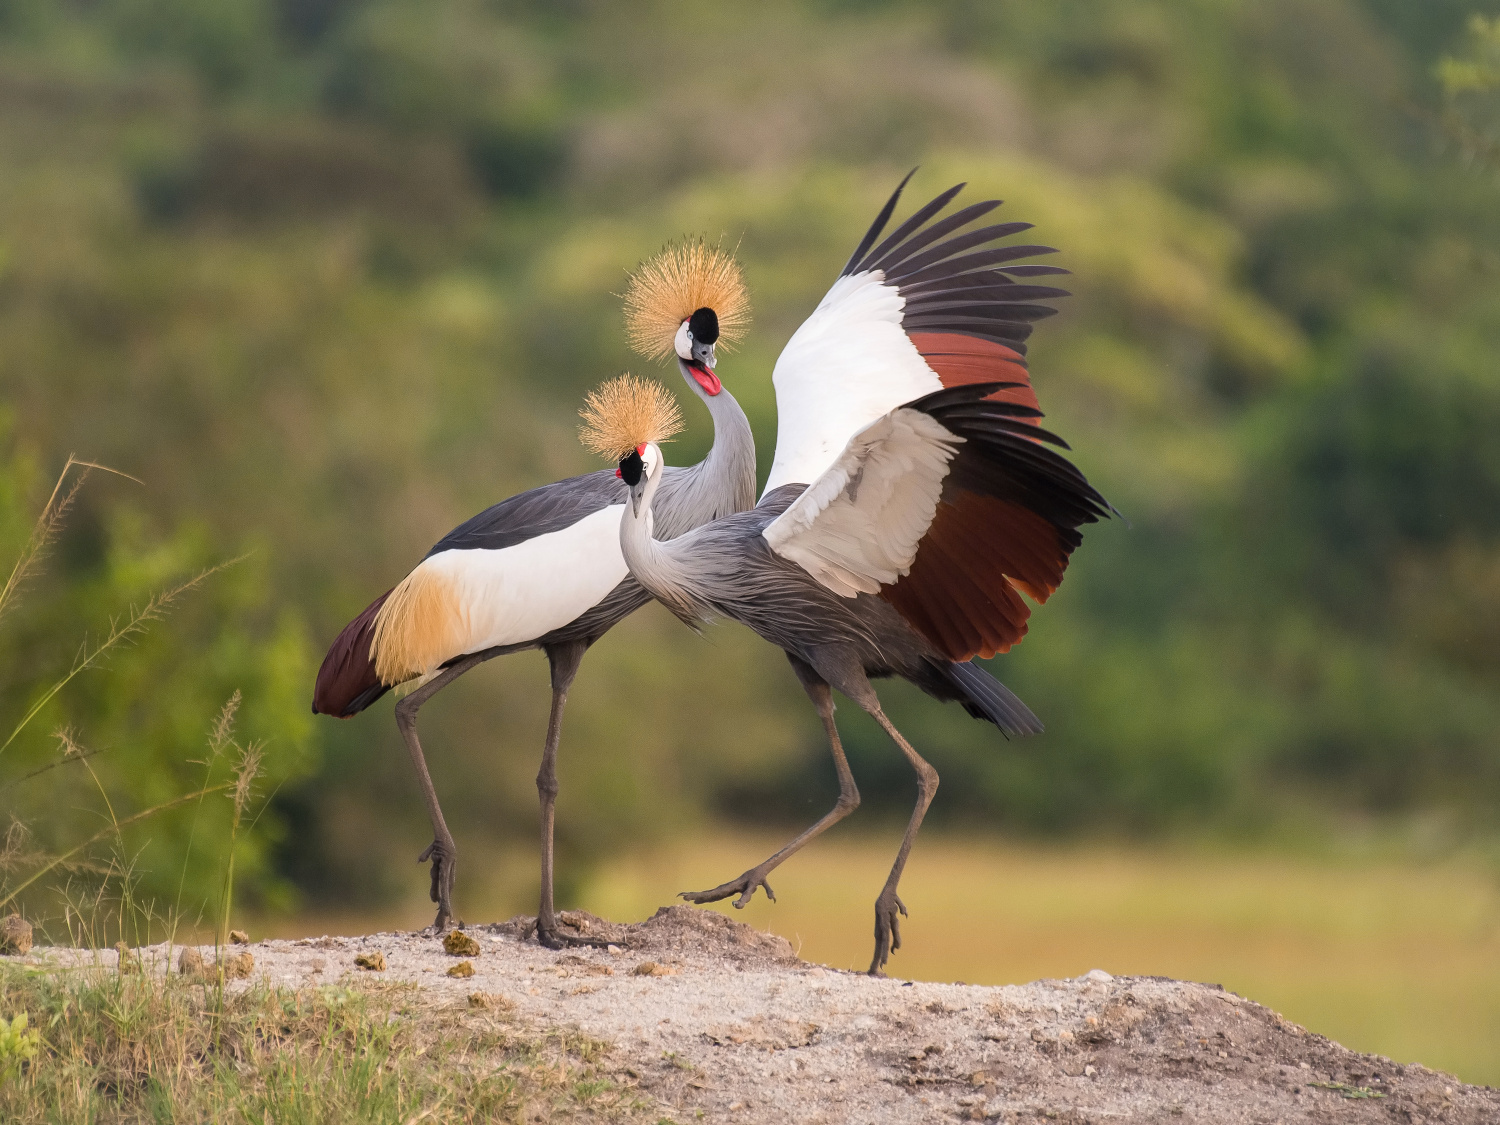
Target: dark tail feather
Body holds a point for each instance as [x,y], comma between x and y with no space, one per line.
[985,697]
[347,683]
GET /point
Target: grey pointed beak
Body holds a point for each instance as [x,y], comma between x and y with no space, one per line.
[704,354]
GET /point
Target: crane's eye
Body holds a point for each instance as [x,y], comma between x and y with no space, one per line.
[632,468]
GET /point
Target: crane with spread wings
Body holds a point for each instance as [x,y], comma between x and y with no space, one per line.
[912,501]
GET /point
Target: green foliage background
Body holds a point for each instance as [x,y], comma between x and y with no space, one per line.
[330,275]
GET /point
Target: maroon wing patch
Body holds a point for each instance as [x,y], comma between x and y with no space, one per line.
[347,682]
[961,593]
[959,360]
[1006,524]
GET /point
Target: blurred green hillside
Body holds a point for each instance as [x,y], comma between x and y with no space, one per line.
[328,276]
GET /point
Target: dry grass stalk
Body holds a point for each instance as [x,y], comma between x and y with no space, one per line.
[667,289]
[70,750]
[221,737]
[13,850]
[244,776]
[44,532]
[121,630]
[113,829]
[625,413]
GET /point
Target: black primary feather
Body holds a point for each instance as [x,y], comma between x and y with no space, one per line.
[877,226]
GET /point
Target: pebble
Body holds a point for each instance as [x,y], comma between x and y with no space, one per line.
[240,966]
[460,944]
[15,935]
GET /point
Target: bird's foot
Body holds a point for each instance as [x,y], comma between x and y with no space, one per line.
[554,936]
[443,856]
[744,886]
[887,929]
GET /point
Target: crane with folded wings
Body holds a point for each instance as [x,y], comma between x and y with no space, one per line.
[543,569]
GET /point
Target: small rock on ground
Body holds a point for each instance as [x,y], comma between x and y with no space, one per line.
[15,935]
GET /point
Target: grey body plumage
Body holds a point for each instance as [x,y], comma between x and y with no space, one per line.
[726,569]
[730,568]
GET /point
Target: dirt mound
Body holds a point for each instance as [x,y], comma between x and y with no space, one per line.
[710,1019]
[672,933]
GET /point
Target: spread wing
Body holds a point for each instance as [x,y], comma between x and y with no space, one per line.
[947,507]
[933,305]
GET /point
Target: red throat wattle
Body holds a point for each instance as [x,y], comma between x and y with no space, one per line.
[706,378]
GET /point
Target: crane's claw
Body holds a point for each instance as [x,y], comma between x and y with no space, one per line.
[554,937]
[745,886]
[443,855]
[887,929]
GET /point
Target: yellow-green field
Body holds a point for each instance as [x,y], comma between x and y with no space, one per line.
[1397,958]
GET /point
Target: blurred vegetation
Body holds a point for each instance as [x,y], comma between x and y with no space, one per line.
[92,826]
[331,275]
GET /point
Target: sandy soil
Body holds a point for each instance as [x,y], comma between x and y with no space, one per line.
[706,1014]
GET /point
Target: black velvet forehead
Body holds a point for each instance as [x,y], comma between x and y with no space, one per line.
[704,325]
[632,468]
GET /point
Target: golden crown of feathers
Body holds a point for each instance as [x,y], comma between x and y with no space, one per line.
[667,289]
[627,412]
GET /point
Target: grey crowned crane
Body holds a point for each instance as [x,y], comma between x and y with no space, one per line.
[543,569]
[912,499]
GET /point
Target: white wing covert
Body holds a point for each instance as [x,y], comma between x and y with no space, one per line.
[857,527]
[921,311]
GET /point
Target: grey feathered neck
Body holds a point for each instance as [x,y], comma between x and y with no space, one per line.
[722,483]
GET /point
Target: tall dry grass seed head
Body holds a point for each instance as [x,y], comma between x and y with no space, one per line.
[667,289]
[627,412]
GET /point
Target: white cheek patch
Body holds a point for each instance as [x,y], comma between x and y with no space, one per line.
[683,343]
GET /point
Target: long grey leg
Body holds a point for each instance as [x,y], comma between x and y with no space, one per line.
[442,851]
[887,905]
[564,659]
[822,698]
